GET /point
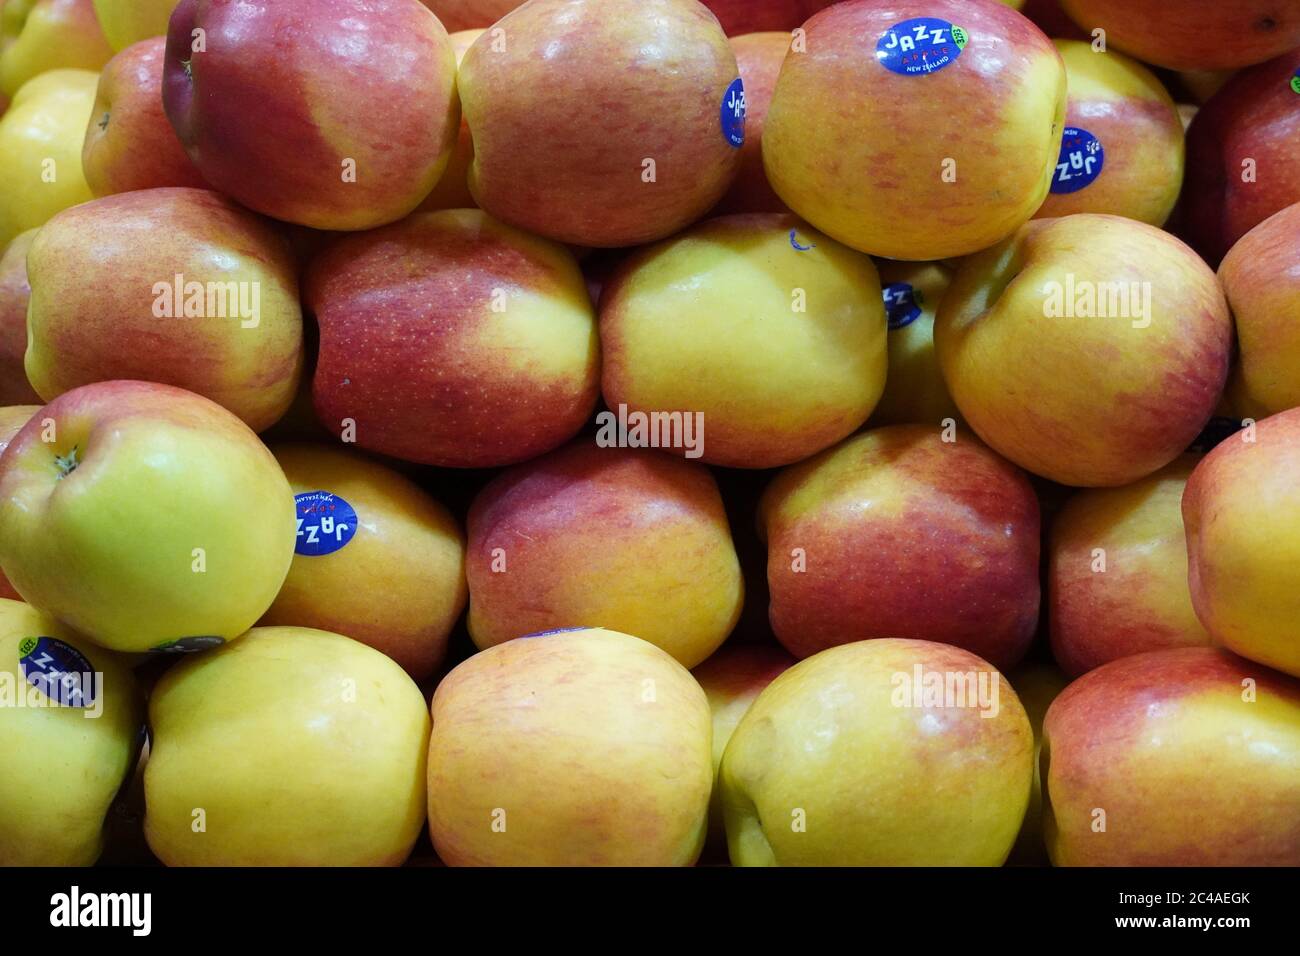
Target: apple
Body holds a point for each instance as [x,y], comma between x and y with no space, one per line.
[179,286]
[1048,16]
[1144,309]
[334,114]
[1262,282]
[1146,762]
[872,142]
[850,759]
[584,747]
[12,419]
[37,36]
[1192,34]
[40,149]
[129,143]
[758,57]
[898,532]
[625,537]
[375,558]
[145,517]
[452,191]
[1202,84]
[1037,685]
[459,15]
[732,679]
[1118,574]
[289,747]
[771,334]
[603,122]
[129,21]
[14,294]
[1241,509]
[1122,150]
[451,339]
[914,388]
[70,729]
[1242,165]
[752,16]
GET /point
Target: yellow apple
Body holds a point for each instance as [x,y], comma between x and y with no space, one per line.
[858,757]
[145,517]
[577,747]
[40,149]
[126,21]
[376,558]
[66,743]
[37,36]
[915,392]
[1037,685]
[289,747]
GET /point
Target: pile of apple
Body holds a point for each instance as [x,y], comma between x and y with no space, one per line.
[323,328]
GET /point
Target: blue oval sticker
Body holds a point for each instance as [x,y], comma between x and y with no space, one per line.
[325,523]
[732,113]
[920,45]
[58,670]
[1080,161]
[902,304]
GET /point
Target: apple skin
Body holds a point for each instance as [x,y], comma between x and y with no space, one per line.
[452,191]
[628,537]
[1128,109]
[1193,34]
[1166,743]
[755,16]
[37,36]
[1260,278]
[125,22]
[14,295]
[566,115]
[398,585]
[285,95]
[859,151]
[1037,685]
[302,747]
[706,323]
[1251,119]
[914,388]
[880,784]
[1241,509]
[457,15]
[1014,369]
[42,131]
[60,768]
[107,546]
[732,679]
[12,419]
[129,143]
[901,534]
[597,745]
[93,271]
[451,339]
[758,57]
[1141,601]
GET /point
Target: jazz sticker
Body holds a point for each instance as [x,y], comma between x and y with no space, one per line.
[920,45]
[732,113]
[57,670]
[902,304]
[1080,161]
[325,523]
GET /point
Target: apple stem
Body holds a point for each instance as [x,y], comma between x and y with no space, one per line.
[66,464]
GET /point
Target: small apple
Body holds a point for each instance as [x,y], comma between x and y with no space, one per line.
[771,334]
[753,16]
[37,36]
[1149,313]
[583,747]
[1037,685]
[1146,762]
[145,517]
[459,15]
[70,729]
[334,114]
[603,122]
[915,392]
[451,339]
[869,137]
[129,143]
[375,558]
[851,758]
[1118,574]
[179,286]
[14,295]
[298,747]
[129,21]
[759,57]
[626,537]
[40,149]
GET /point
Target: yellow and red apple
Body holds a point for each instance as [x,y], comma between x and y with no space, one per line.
[15,292]
[759,57]
[915,391]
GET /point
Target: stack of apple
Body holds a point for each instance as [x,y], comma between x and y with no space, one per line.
[323,328]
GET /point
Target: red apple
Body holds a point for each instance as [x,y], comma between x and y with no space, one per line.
[1242,164]
[14,295]
[452,191]
[129,143]
[759,57]
[454,340]
[898,533]
[753,16]
[602,122]
[470,14]
[335,114]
